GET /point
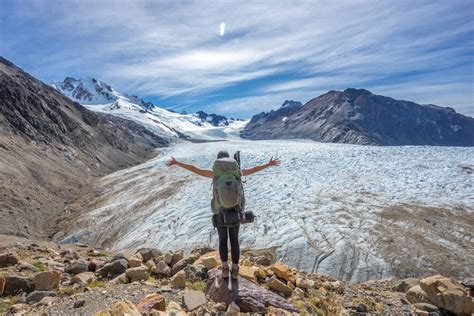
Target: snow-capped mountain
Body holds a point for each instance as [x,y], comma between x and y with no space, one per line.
[99,96]
[358,116]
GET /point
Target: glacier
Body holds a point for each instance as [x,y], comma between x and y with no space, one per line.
[327,208]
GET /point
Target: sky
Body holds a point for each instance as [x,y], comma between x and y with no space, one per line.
[176,55]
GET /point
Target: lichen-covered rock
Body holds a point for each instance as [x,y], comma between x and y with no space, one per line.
[248,296]
[416,295]
[83,278]
[178,281]
[47,281]
[137,274]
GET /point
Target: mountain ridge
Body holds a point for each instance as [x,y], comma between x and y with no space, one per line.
[357,116]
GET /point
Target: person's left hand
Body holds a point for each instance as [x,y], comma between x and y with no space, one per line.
[273,162]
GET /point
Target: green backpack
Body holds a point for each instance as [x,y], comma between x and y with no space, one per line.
[227,188]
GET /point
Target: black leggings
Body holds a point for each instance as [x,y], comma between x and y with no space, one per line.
[233,236]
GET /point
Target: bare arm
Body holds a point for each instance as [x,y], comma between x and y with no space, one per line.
[196,170]
[272,162]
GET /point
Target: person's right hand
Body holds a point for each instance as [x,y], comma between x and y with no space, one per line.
[171,162]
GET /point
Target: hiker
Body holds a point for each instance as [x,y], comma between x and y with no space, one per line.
[226,230]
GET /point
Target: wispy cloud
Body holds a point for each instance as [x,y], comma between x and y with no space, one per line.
[172,52]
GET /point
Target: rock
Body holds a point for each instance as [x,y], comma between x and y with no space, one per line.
[47,281]
[124,254]
[210,262]
[404,285]
[248,296]
[16,285]
[149,253]
[69,254]
[25,266]
[193,300]
[168,258]
[282,271]
[175,309]
[181,264]
[113,268]
[195,272]
[176,257]
[178,281]
[430,308]
[121,279]
[18,308]
[150,264]
[335,286]
[264,257]
[37,296]
[220,307]
[361,308]
[273,311]
[125,308]
[416,295]
[249,273]
[299,293]
[233,309]
[8,259]
[469,283]
[279,286]
[162,269]
[448,294]
[2,284]
[96,264]
[302,283]
[137,274]
[83,278]
[135,261]
[49,300]
[77,267]
[79,303]
[152,302]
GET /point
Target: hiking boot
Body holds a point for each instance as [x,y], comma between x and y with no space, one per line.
[235,273]
[225,272]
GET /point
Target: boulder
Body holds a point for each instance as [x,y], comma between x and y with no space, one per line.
[248,296]
[120,279]
[135,261]
[37,296]
[149,253]
[279,286]
[430,308]
[175,310]
[176,257]
[49,300]
[448,294]
[284,272]
[210,262]
[178,281]
[79,303]
[404,285]
[124,308]
[168,257]
[8,259]
[416,295]
[113,268]
[162,269]
[83,278]
[25,266]
[193,300]
[77,266]
[137,274]
[96,264]
[249,273]
[152,302]
[181,264]
[124,254]
[2,284]
[195,272]
[47,281]
[16,285]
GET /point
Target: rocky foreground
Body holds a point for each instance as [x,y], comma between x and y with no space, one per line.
[38,277]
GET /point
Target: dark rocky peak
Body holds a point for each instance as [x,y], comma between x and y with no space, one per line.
[291,104]
[213,119]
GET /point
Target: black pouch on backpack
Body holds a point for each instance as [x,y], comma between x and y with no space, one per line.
[230,217]
[248,217]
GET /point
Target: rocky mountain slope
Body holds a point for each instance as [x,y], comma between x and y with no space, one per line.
[100,97]
[51,148]
[357,116]
[43,277]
